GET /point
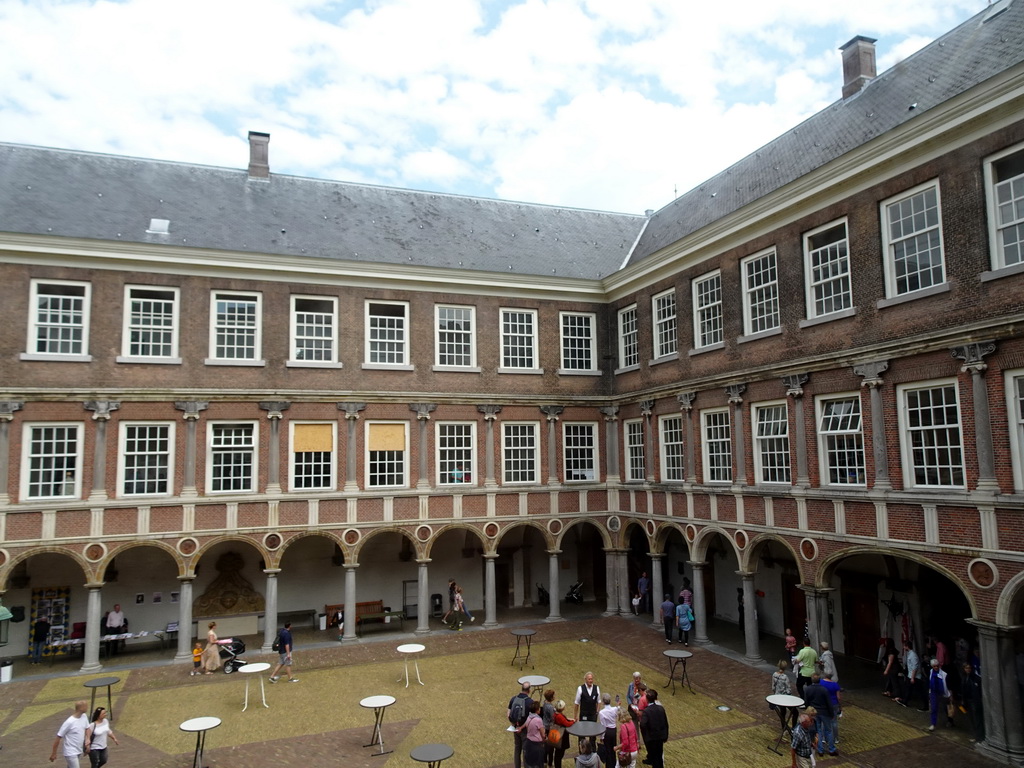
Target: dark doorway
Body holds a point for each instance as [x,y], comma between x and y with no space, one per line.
[794,605]
[860,616]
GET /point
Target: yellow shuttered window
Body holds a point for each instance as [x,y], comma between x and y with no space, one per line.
[312,438]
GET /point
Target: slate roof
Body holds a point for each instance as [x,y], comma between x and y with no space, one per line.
[961,59]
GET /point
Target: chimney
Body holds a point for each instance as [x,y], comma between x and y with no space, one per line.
[858,64]
[259,155]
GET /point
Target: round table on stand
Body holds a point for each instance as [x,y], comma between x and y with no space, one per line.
[254,669]
[519,656]
[199,726]
[432,754]
[674,659]
[587,729]
[535,681]
[407,650]
[100,682]
[378,704]
[784,705]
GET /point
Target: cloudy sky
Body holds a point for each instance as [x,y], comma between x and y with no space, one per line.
[607,104]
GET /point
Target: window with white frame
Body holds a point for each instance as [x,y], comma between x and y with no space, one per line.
[232,458]
[827,255]
[760,293]
[579,446]
[387,333]
[707,311]
[1004,185]
[50,461]
[455,336]
[519,339]
[1015,412]
[519,452]
[771,443]
[663,310]
[912,235]
[932,446]
[634,431]
[841,440]
[386,454]
[59,319]
[579,342]
[150,323]
[314,330]
[629,341]
[146,457]
[455,452]
[717,445]
[314,445]
[235,327]
[673,460]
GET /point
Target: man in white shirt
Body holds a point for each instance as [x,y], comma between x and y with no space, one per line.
[114,625]
[72,732]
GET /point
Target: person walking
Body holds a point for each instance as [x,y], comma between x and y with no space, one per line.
[71,736]
[938,694]
[816,695]
[891,670]
[451,601]
[460,605]
[96,736]
[806,659]
[211,653]
[519,708]
[654,727]
[912,689]
[970,700]
[836,697]
[827,662]
[284,650]
[684,622]
[667,611]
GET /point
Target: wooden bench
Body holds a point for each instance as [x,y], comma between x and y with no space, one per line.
[371,610]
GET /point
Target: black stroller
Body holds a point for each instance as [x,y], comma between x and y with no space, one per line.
[230,653]
[543,597]
[575,593]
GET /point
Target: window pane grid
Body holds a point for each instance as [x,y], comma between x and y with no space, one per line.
[454,453]
[234,456]
[830,278]
[387,339]
[580,446]
[147,459]
[455,336]
[52,460]
[236,326]
[517,348]
[718,447]
[520,455]
[314,336]
[629,350]
[672,448]
[60,320]
[387,468]
[915,241]
[933,426]
[773,443]
[665,326]
[151,327]
[841,431]
[709,311]
[634,450]
[1010,214]
[578,342]
[762,294]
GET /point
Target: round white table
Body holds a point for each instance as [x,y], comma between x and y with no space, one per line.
[378,704]
[199,726]
[407,650]
[535,681]
[523,658]
[784,704]
[254,669]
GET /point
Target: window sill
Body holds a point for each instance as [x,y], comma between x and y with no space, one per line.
[577,372]
[311,364]
[708,348]
[759,335]
[841,314]
[921,294]
[149,360]
[456,369]
[528,371]
[664,359]
[627,369]
[46,358]
[995,274]
[387,367]
[236,363]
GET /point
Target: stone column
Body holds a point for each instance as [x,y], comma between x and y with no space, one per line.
[700,603]
[350,601]
[184,619]
[657,584]
[646,409]
[7,410]
[611,432]
[739,451]
[270,614]
[972,355]
[552,412]
[795,389]
[490,413]
[275,410]
[611,572]
[101,415]
[624,596]
[490,591]
[422,597]
[872,374]
[352,411]
[554,604]
[818,625]
[93,618]
[753,652]
[423,411]
[686,406]
[191,410]
[1004,739]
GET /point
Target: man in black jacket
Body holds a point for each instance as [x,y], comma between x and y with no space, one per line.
[816,695]
[654,727]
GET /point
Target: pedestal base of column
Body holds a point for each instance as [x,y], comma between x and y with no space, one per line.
[702,640]
[1000,754]
[263,649]
[423,631]
[91,669]
[273,488]
[188,656]
[554,618]
[490,624]
[754,660]
[97,496]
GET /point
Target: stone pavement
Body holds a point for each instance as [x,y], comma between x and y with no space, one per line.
[33,705]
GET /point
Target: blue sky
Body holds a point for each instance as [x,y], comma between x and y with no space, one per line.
[603,104]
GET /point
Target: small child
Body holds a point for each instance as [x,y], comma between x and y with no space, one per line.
[790,644]
[197,659]
[636,604]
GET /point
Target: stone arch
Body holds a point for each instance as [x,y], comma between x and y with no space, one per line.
[273,559]
[485,545]
[602,531]
[1010,602]
[378,531]
[123,547]
[549,540]
[621,538]
[705,536]
[664,530]
[88,571]
[749,557]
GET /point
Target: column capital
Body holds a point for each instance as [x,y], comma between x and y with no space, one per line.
[8,408]
[350,566]
[735,393]
[490,555]
[699,566]
[995,630]
[656,555]
[191,408]
[423,410]
[814,591]
[423,562]
[351,409]
[271,571]
[746,575]
[101,408]
[183,579]
[275,408]
[490,411]
[685,400]
[646,407]
[795,384]
[610,412]
[871,372]
[554,552]
[972,355]
[552,412]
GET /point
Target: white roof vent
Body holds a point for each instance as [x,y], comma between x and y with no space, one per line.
[159,227]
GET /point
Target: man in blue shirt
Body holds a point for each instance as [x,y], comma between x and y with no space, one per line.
[643,586]
[284,649]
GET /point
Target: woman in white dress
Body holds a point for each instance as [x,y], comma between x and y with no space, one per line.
[211,654]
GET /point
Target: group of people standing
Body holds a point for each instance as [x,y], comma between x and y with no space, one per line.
[817,683]
[541,734]
[456,608]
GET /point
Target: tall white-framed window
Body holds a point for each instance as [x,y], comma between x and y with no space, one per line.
[146,458]
[579,342]
[579,448]
[708,328]
[841,440]
[760,293]
[1015,419]
[58,322]
[673,460]
[150,332]
[232,460]
[455,336]
[456,452]
[827,270]
[634,440]
[311,461]
[929,418]
[519,340]
[387,454]
[519,452]
[236,328]
[387,339]
[49,465]
[716,448]
[313,331]
[629,339]
[771,442]
[912,239]
[663,311]
[1004,189]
